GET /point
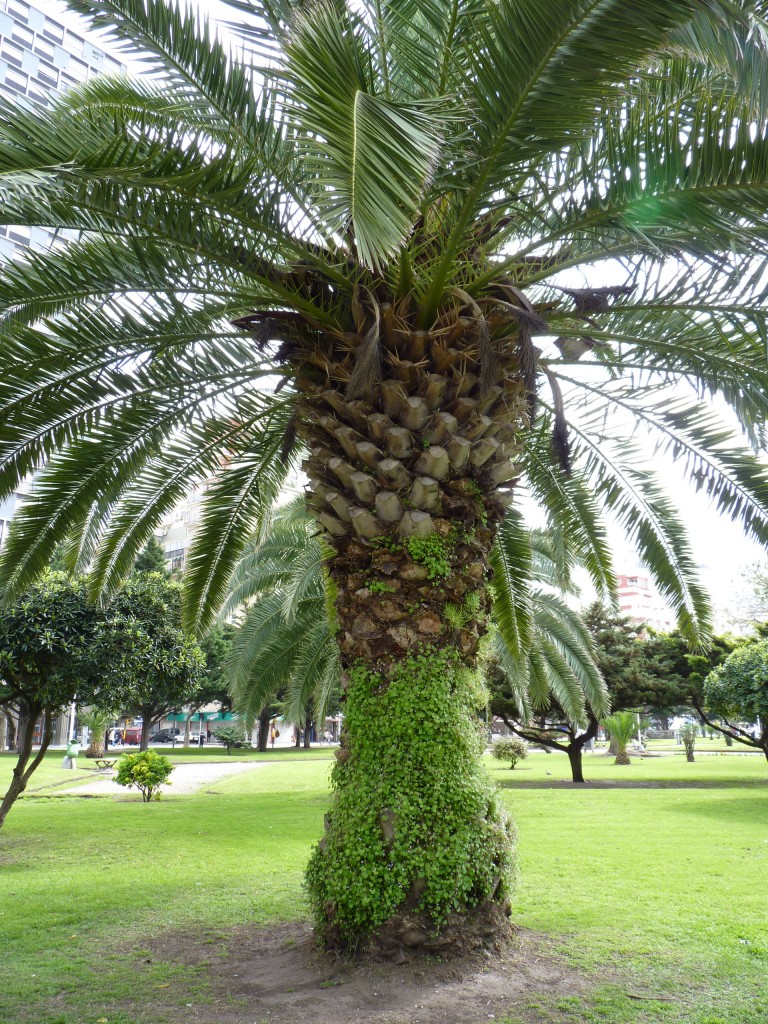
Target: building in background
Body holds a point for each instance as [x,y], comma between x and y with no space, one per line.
[8,507]
[177,532]
[40,56]
[639,600]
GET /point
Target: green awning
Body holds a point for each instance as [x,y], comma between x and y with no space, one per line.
[202,716]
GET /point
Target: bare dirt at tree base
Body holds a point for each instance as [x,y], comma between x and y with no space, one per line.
[274,975]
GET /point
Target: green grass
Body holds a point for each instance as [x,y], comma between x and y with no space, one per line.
[657,890]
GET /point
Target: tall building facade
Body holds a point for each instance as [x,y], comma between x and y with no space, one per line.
[39,56]
[639,600]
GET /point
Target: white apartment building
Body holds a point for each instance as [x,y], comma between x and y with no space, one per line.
[39,56]
[640,601]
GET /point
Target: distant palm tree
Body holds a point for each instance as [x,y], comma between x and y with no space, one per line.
[96,721]
[622,726]
[381,206]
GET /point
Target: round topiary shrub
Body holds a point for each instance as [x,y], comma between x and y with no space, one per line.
[510,748]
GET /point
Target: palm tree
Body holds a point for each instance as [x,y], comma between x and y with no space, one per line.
[337,243]
[97,721]
[622,725]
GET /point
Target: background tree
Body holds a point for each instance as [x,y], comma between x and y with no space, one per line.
[212,688]
[545,682]
[385,219]
[736,696]
[644,671]
[52,651]
[233,736]
[165,664]
[151,558]
[552,729]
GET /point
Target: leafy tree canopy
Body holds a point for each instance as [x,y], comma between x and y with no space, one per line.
[163,664]
[50,648]
[737,692]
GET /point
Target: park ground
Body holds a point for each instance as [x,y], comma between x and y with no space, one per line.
[642,898]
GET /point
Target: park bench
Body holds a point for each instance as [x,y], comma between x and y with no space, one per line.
[103,764]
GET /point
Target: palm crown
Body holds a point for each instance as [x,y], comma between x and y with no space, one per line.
[354,179]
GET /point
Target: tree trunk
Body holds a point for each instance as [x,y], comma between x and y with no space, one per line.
[12,730]
[622,757]
[3,729]
[21,730]
[146,724]
[411,800]
[264,719]
[575,752]
[308,735]
[22,774]
[187,729]
[412,433]
[96,745]
[297,737]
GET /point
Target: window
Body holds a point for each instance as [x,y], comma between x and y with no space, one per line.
[22,35]
[37,94]
[21,10]
[12,52]
[47,74]
[29,62]
[15,80]
[78,69]
[44,49]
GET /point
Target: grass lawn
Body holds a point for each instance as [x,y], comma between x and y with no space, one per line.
[658,890]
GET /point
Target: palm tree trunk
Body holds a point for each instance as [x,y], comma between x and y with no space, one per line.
[404,485]
[622,757]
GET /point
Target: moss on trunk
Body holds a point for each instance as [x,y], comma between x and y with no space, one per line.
[417,850]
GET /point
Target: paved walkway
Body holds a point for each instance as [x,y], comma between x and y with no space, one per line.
[185,778]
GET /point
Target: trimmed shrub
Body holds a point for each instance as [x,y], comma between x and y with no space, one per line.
[510,748]
[147,771]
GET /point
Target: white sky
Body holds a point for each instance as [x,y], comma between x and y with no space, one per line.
[719,545]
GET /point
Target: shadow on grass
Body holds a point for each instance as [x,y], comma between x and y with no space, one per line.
[741,810]
[505,783]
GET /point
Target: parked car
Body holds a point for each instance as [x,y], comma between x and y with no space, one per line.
[164,735]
